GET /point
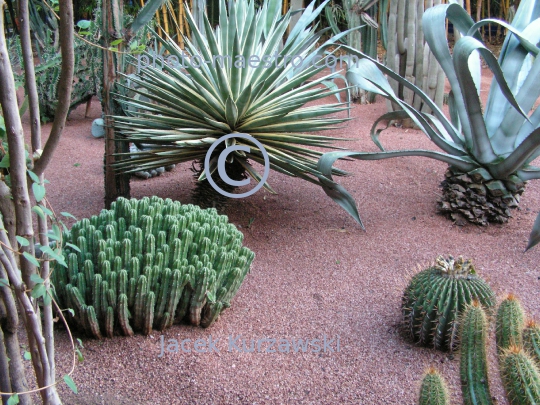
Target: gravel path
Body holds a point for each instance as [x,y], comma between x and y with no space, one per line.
[316,275]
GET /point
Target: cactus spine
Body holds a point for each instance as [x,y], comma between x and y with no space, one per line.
[433,390]
[435,298]
[146,264]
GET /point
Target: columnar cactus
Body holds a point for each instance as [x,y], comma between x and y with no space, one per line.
[519,371]
[520,376]
[531,340]
[146,264]
[510,322]
[435,298]
[433,390]
[473,365]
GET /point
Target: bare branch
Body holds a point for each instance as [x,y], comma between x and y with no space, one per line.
[64,86]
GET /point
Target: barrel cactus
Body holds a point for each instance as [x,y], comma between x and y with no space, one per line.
[146,264]
[435,297]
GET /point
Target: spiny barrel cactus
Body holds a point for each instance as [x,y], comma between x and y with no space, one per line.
[473,365]
[435,298]
[146,264]
[510,322]
[433,390]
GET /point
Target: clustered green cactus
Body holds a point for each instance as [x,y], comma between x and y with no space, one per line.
[516,346]
[435,298]
[146,264]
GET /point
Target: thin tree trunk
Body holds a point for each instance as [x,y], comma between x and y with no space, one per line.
[30,76]
[116,185]
[65,85]
[9,325]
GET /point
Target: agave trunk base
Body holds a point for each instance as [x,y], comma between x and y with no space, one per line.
[204,194]
[476,197]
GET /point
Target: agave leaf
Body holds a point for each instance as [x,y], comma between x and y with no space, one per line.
[434,26]
[511,59]
[437,112]
[369,73]
[482,147]
[340,195]
[231,112]
[145,15]
[389,117]
[518,157]
[534,238]
[256,176]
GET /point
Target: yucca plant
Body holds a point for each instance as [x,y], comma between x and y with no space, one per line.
[489,148]
[191,106]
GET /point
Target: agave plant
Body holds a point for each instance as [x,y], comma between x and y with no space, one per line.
[489,149]
[251,83]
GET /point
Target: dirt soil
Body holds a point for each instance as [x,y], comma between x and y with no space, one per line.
[316,275]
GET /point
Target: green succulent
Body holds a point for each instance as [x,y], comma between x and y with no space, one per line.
[489,148]
[184,108]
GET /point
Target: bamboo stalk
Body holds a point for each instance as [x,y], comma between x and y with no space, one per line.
[165,19]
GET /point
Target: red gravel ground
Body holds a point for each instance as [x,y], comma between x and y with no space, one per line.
[316,274]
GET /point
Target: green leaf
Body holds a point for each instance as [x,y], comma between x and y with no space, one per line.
[79,341]
[39,290]
[46,210]
[4,282]
[4,163]
[74,247]
[70,383]
[27,356]
[36,278]
[22,241]
[67,214]
[71,311]
[13,400]
[84,24]
[33,176]
[47,299]
[79,355]
[31,259]
[39,212]
[39,191]
[117,42]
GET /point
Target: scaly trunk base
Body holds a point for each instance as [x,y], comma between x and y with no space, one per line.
[477,198]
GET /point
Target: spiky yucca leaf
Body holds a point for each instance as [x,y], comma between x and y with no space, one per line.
[235,79]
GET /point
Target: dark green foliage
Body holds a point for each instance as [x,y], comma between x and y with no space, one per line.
[435,298]
[473,365]
[521,378]
[433,390]
[510,322]
[151,263]
[86,77]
